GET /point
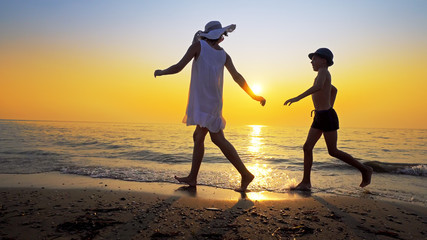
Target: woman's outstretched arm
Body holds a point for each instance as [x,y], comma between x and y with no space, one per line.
[193,51]
[239,79]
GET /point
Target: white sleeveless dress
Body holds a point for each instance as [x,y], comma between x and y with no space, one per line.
[204,107]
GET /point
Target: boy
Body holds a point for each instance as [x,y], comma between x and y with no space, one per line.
[325,120]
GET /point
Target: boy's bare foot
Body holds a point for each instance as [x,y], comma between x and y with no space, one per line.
[187,180]
[245,182]
[366,177]
[302,187]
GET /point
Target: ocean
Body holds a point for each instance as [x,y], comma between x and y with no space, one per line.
[144,152]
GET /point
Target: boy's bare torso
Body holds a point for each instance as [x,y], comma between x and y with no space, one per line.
[322,98]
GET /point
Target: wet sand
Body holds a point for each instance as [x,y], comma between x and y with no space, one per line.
[55,206]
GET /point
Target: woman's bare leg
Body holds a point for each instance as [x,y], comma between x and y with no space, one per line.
[198,152]
[231,154]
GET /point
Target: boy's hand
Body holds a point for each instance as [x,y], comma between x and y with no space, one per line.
[260,99]
[290,101]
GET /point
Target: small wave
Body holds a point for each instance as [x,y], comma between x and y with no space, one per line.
[399,168]
[31,153]
[74,144]
[126,174]
[147,155]
[418,170]
[113,146]
[222,179]
[178,157]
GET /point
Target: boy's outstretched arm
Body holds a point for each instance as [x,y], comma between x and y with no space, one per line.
[192,51]
[318,84]
[239,79]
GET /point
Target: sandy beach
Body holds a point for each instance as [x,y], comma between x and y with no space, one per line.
[55,206]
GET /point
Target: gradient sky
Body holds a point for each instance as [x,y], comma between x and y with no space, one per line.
[94,60]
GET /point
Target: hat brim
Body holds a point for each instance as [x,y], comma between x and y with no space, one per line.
[330,61]
[216,33]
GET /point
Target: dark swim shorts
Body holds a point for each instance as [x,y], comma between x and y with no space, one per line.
[326,120]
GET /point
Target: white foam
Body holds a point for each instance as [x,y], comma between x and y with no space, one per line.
[418,170]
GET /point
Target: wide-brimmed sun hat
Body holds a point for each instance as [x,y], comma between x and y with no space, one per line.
[324,53]
[214,30]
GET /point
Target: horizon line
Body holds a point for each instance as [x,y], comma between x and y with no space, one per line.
[133,122]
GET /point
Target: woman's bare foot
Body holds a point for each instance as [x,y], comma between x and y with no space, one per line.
[303,186]
[366,177]
[246,180]
[187,180]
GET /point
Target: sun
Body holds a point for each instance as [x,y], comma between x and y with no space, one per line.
[256,88]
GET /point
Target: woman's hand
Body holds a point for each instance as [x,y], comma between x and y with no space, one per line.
[158,72]
[260,99]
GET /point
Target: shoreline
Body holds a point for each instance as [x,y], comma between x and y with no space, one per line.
[54,206]
[59,181]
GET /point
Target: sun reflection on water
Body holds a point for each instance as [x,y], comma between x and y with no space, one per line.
[262,175]
[267,178]
[255,139]
[272,196]
[258,196]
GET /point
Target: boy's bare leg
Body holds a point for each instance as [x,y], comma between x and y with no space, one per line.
[198,152]
[231,154]
[312,138]
[331,142]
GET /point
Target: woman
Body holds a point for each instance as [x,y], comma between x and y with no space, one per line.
[204,108]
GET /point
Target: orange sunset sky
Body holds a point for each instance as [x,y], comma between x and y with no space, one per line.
[94,60]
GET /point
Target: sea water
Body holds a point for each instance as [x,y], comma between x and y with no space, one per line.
[145,152]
